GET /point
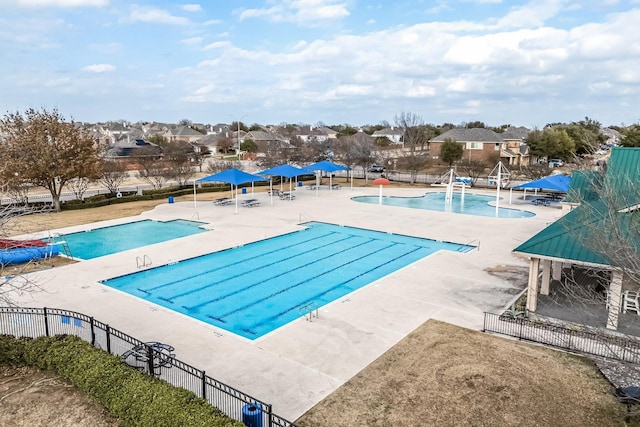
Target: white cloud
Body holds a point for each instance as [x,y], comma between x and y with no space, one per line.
[62,3]
[192,41]
[530,15]
[303,12]
[153,15]
[99,68]
[192,7]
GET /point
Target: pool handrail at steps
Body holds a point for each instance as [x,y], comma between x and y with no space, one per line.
[59,239]
[309,311]
[143,261]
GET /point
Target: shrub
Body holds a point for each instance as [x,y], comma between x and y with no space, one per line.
[134,397]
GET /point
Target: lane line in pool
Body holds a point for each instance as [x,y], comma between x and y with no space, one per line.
[280,274]
[243,272]
[288,288]
[234,263]
[313,297]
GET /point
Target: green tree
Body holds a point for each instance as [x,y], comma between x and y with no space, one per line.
[631,136]
[451,151]
[42,149]
[551,143]
[158,140]
[382,141]
[249,145]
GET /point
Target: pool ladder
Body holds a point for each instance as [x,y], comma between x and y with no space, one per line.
[143,261]
[58,239]
[309,311]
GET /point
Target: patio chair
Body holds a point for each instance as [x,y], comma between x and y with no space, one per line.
[630,302]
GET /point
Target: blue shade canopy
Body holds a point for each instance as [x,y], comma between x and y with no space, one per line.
[232,176]
[551,182]
[326,166]
[286,171]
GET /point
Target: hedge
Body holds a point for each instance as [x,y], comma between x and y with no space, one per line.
[135,398]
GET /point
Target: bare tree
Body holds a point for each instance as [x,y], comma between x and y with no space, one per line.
[41,148]
[114,173]
[215,166]
[14,283]
[474,169]
[178,157]
[413,135]
[79,186]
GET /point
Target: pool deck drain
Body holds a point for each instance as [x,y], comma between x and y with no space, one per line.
[299,364]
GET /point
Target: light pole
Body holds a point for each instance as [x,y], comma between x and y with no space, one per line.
[238,134]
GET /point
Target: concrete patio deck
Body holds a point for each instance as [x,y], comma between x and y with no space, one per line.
[299,364]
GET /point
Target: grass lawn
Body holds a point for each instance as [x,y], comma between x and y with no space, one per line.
[444,375]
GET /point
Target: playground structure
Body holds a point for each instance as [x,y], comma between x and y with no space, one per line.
[499,176]
[451,180]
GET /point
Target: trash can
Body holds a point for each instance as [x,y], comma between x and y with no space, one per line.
[244,190]
[299,183]
[252,415]
[170,199]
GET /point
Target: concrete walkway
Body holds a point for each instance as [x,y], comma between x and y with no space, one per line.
[299,364]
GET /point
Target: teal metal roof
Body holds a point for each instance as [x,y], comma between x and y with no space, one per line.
[583,186]
[597,227]
[563,240]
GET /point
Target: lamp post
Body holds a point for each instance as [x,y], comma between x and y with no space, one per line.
[238,134]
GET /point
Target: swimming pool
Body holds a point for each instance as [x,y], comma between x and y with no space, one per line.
[117,238]
[256,288]
[473,204]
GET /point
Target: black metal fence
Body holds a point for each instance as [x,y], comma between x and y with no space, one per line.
[574,339]
[148,357]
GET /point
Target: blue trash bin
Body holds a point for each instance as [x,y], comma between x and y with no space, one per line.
[299,183]
[252,415]
[170,199]
[244,190]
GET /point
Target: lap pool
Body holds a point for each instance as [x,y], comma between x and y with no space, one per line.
[256,288]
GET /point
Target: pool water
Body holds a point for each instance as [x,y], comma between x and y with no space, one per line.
[117,238]
[256,288]
[471,204]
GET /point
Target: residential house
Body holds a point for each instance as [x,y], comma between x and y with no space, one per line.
[310,133]
[393,134]
[480,144]
[516,149]
[183,134]
[267,141]
[582,246]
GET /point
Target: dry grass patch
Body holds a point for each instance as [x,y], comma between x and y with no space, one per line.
[30,397]
[444,375]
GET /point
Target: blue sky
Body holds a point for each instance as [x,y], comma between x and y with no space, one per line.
[331,61]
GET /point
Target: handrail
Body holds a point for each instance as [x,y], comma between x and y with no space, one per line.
[308,310]
[143,261]
[474,240]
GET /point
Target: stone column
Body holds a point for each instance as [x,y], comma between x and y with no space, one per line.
[556,268]
[546,277]
[532,293]
[615,300]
